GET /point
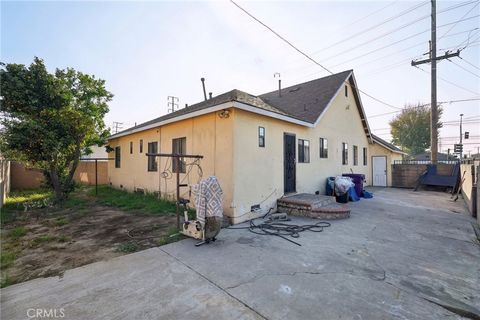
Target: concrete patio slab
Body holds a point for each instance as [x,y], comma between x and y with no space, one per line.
[401,255]
[145,285]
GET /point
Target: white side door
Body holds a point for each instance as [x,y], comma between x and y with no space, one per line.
[379,171]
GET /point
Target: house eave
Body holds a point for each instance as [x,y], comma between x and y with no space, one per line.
[363,117]
[387,147]
[219,107]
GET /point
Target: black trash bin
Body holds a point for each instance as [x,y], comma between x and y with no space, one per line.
[342,198]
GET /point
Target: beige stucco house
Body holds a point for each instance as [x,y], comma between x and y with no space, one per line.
[259,147]
[384,154]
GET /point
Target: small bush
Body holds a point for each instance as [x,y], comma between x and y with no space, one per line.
[7,259]
[128,247]
[18,232]
[61,221]
[6,281]
[63,238]
[44,239]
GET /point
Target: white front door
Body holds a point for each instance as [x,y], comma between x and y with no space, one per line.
[379,171]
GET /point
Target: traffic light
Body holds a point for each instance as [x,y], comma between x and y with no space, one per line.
[458,148]
[467,134]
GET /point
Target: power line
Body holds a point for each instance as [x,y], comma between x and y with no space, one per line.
[467,41]
[387,33]
[424,105]
[374,26]
[447,81]
[377,37]
[408,48]
[306,55]
[368,15]
[476,75]
[471,64]
[453,26]
[398,41]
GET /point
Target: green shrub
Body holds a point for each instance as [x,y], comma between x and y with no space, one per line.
[61,221]
[128,247]
[7,259]
[45,238]
[18,232]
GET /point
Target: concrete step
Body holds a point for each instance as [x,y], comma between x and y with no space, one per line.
[313,206]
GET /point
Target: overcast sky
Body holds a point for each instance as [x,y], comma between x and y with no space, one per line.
[147,51]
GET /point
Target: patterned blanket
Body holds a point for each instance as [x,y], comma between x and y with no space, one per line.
[208,199]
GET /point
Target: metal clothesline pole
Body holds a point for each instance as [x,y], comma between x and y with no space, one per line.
[177,158]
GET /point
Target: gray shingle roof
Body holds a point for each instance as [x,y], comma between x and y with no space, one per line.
[305,101]
[233,95]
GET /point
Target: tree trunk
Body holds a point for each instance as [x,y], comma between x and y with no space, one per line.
[73,168]
[57,186]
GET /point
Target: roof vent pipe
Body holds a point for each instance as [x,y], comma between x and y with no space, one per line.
[203,85]
[210,95]
[279,83]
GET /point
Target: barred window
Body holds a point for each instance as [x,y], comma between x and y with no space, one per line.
[323,148]
[261,137]
[117,157]
[303,151]
[179,146]
[344,153]
[152,160]
[355,155]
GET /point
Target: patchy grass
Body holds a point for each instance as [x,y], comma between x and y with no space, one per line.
[18,199]
[64,238]
[173,235]
[17,232]
[60,221]
[148,203]
[7,259]
[6,282]
[128,247]
[47,240]
[44,238]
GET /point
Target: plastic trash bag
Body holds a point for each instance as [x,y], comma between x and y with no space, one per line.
[367,195]
[352,194]
[343,184]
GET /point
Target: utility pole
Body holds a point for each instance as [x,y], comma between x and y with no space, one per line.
[172,104]
[461,135]
[117,126]
[433,62]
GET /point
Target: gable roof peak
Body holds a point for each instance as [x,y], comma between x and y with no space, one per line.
[309,99]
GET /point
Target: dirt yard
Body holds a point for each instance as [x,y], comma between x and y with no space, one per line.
[44,242]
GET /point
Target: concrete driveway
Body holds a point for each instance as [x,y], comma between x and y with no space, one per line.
[401,255]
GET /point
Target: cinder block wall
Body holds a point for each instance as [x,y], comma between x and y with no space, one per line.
[22,177]
[31,178]
[470,185]
[406,175]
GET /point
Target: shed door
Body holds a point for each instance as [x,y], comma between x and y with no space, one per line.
[289,156]
[379,171]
